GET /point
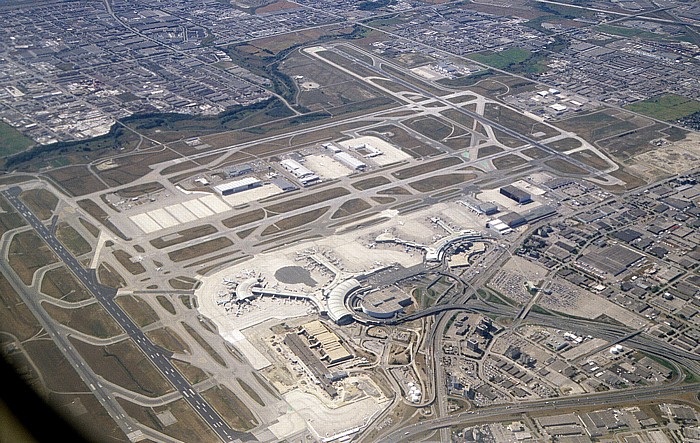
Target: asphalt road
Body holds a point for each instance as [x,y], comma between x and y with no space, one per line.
[105,296]
[505,412]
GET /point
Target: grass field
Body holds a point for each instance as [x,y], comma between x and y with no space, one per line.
[40,201]
[72,240]
[244,218]
[508,161]
[91,319]
[140,312]
[426,167]
[565,144]
[307,200]
[125,259]
[513,59]
[667,107]
[207,247]
[351,207]
[565,167]
[370,183]
[183,236]
[192,373]
[168,339]
[124,364]
[230,407]
[28,253]
[100,215]
[440,181]
[204,344]
[12,140]
[15,317]
[485,151]
[9,218]
[166,304]
[109,277]
[60,283]
[56,371]
[251,392]
[295,221]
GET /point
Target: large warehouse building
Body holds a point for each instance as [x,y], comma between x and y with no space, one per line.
[238,186]
[516,194]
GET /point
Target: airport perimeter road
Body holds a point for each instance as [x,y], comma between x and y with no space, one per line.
[105,296]
[509,412]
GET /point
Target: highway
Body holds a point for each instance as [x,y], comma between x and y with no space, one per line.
[504,412]
[105,296]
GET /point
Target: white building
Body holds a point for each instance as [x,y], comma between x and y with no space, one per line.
[238,186]
[350,161]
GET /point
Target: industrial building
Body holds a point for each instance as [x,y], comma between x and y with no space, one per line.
[238,186]
[238,170]
[350,161]
[304,175]
[328,343]
[516,194]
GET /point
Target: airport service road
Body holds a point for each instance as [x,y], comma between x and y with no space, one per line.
[505,412]
[105,296]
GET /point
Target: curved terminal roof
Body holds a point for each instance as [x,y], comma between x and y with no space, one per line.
[336,300]
[244,291]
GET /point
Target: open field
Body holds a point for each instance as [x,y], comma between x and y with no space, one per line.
[514,59]
[168,339]
[590,158]
[76,180]
[95,211]
[517,121]
[351,207]
[666,107]
[188,426]
[192,373]
[28,253]
[565,167]
[109,277]
[429,127]
[97,423]
[424,168]
[295,221]
[125,365]
[565,144]
[251,392]
[139,190]
[485,151]
[72,240]
[92,229]
[400,138]
[370,183]
[166,304]
[398,190]
[140,312]
[307,200]
[56,371]
[633,143]
[535,153]
[230,407]
[508,161]
[40,201]
[12,140]
[15,317]
[204,344]
[183,236]
[440,181]
[9,218]
[207,247]
[601,124]
[60,283]
[91,319]
[182,282]
[127,261]
[244,218]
